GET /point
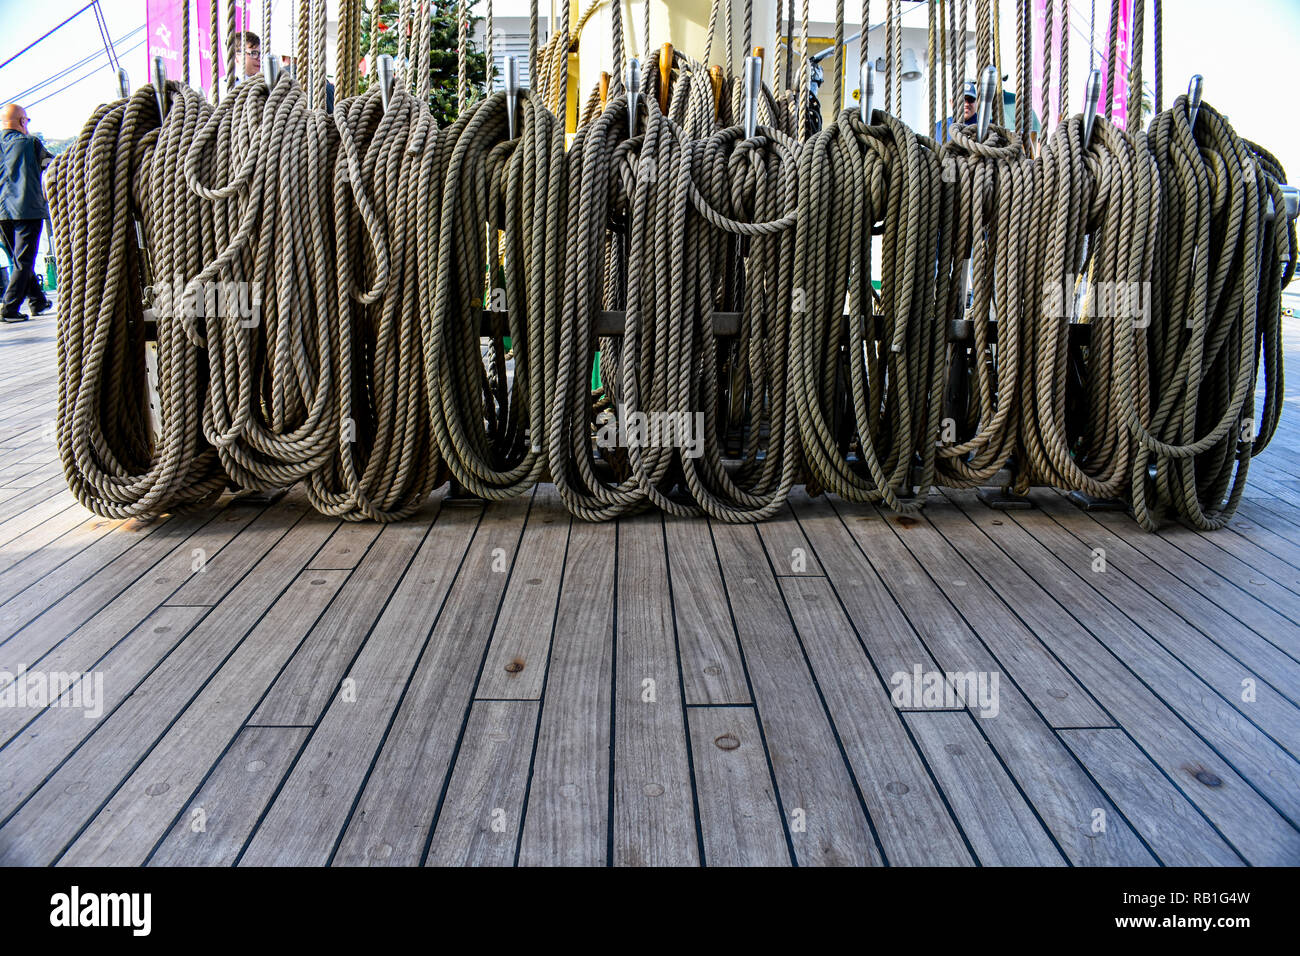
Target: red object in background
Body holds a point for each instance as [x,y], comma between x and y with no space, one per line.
[382,26]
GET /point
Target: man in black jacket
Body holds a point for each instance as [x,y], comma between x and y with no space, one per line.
[22,210]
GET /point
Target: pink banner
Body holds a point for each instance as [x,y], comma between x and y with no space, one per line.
[1119,97]
[163,22]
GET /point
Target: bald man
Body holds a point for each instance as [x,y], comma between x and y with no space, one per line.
[22,210]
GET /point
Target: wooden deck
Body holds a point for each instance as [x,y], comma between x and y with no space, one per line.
[503,685]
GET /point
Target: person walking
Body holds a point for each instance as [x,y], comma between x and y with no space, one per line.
[23,158]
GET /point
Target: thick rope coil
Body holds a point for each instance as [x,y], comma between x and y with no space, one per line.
[863,447]
[384,458]
[996,186]
[491,432]
[122,167]
[1097,216]
[1221,272]
[269,160]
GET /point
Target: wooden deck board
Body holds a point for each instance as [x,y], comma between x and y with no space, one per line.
[302,826]
[654,820]
[469,686]
[221,816]
[567,813]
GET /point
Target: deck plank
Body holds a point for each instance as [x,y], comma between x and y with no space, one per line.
[1247,630]
[231,799]
[142,810]
[400,799]
[788,548]
[43,643]
[654,814]
[1168,822]
[38,741]
[304,822]
[521,640]
[478,824]
[914,823]
[1142,627]
[820,800]
[24,595]
[312,677]
[1137,690]
[44,827]
[1017,728]
[712,672]
[566,822]
[997,820]
[740,822]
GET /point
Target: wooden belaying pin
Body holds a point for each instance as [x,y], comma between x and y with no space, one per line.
[604,89]
[665,75]
[715,81]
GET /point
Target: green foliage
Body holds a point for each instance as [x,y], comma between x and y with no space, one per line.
[442,54]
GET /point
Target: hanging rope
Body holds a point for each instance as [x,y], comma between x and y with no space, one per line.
[1206,335]
[415,304]
[214,50]
[851,178]
[124,166]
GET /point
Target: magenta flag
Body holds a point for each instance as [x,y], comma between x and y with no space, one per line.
[163,22]
[1119,96]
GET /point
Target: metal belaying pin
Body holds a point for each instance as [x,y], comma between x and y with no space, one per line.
[123,83]
[1091,98]
[753,86]
[512,94]
[633,83]
[984,115]
[1291,199]
[866,91]
[160,86]
[1194,99]
[384,73]
[271,70]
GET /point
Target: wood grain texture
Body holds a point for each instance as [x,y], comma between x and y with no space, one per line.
[231,799]
[567,817]
[478,822]
[740,820]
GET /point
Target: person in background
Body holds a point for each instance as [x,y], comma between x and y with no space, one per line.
[23,158]
[968,103]
[248,54]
